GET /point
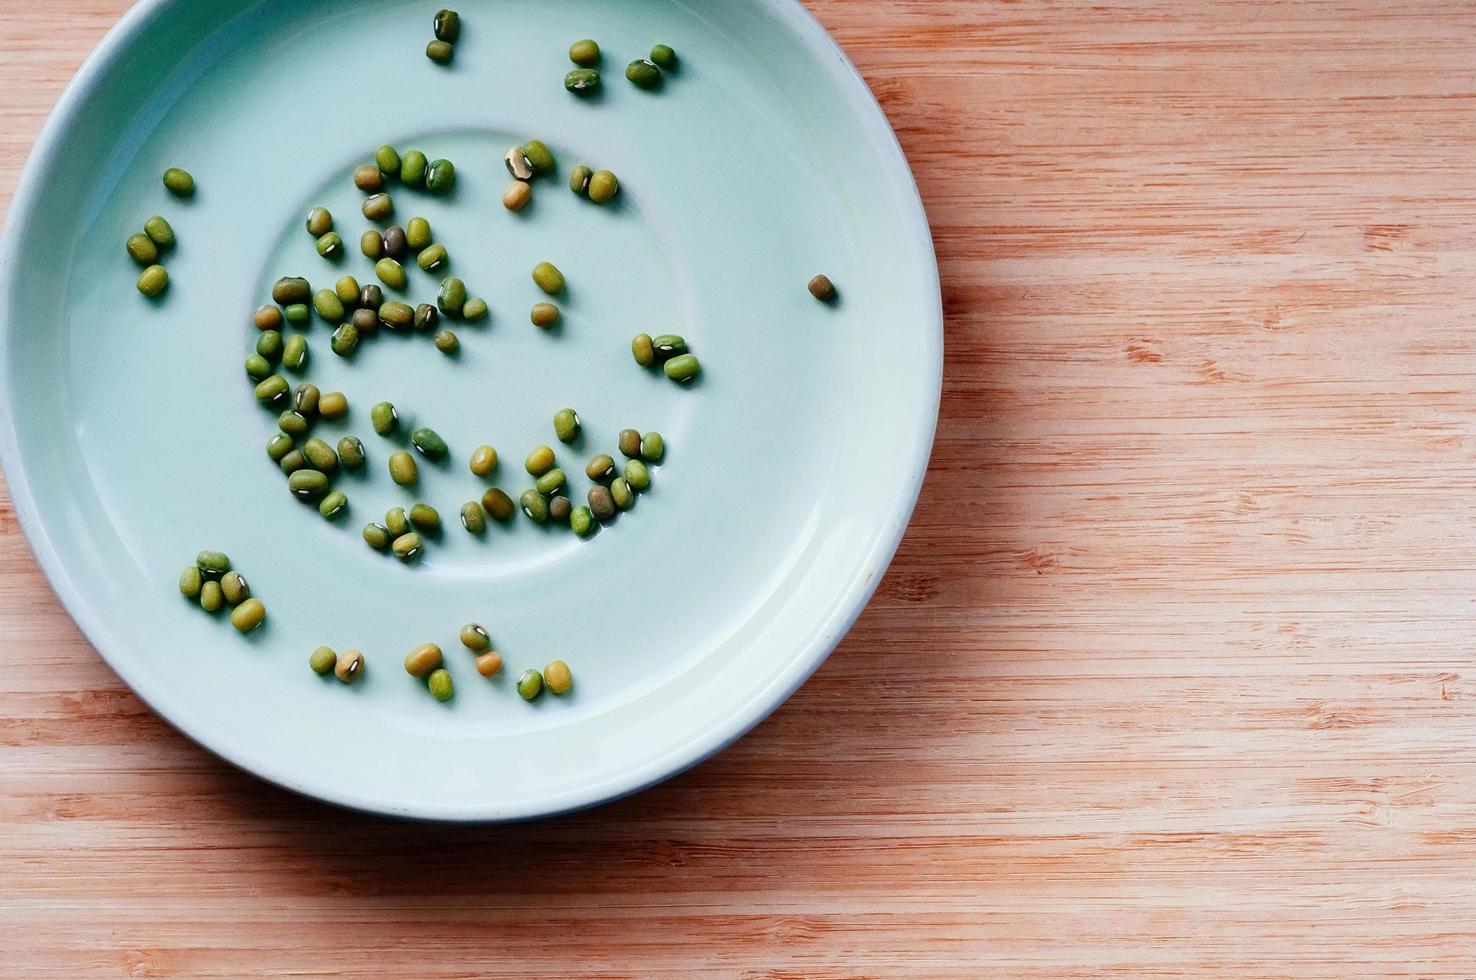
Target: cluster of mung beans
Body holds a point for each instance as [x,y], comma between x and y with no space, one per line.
[668,350]
[157,236]
[534,159]
[447,27]
[645,73]
[427,662]
[347,666]
[214,584]
[613,490]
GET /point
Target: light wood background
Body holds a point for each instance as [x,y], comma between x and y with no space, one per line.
[1173,672]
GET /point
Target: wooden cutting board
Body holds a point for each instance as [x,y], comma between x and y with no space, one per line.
[1173,672]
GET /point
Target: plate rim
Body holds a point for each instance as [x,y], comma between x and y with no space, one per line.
[742,718]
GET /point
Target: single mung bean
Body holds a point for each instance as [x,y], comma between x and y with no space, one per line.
[441,177]
[822,289]
[581,520]
[489,664]
[637,475]
[539,461]
[517,195]
[376,536]
[412,168]
[530,685]
[559,508]
[396,242]
[518,164]
[295,352]
[269,345]
[333,505]
[440,685]
[279,445]
[308,484]
[298,314]
[320,455]
[142,249]
[371,243]
[548,278]
[213,564]
[566,424]
[369,178]
[600,468]
[293,462]
[558,677]
[248,615]
[321,660]
[396,315]
[642,350]
[669,345]
[603,186]
[585,53]
[273,389]
[579,180]
[441,52]
[601,504]
[319,222]
[550,481]
[190,581]
[179,182]
[534,506]
[211,598]
[662,56]
[497,504]
[351,453]
[472,517]
[371,297]
[291,289]
[345,340]
[447,25]
[378,207]
[683,369]
[407,547]
[643,74]
[402,469]
[483,460]
[328,305]
[293,423]
[426,318]
[347,291]
[422,660]
[629,443]
[391,273]
[160,232]
[545,315]
[447,343]
[621,493]
[267,318]
[540,157]
[333,405]
[153,280]
[397,521]
[451,298]
[475,309]
[330,245]
[429,443]
[582,81]
[257,367]
[425,518]
[387,158]
[384,418]
[433,258]
[475,638]
[418,233]
[365,320]
[349,666]
[305,398]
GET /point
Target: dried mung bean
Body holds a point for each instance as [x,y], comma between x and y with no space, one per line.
[333,405]
[440,178]
[328,306]
[581,520]
[298,314]
[351,453]
[643,74]
[822,289]
[683,369]
[387,158]
[629,443]
[279,445]
[403,469]
[548,278]
[412,168]
[475,309]
[407,547]
[447,343]
[559,508]
[295,352]
[320,455]
[483,460]
[518,164]
[160,232]
[472,517]
[376,536]
[441,52]
[489,664]
[369,178]
[319,222]
[579,180]
[257,367]
[517,196]
[267,318]
[142,249]
[642,350]
[530,685]
[347,291]
[669,345]
[663,57]
[582,81]
[600,468]
[293,423]
[293,462]
[475,638]
[371,297]
[179,182]
[349,666]
[272,390]
[391,273]
[418,233]
[440,685]
[269,345]
[433,258]
[153,280]
[365,320]
[211,599]
[621,493]
[540,157]
[321,660]
[308,484]
[603,186]
[429,443]
[291,289]
[566,424]
[426,317]
[545,315]
[371,243]
[637,475]
[558,678]
[451,298]
[585,53]
[550,481]
[447,25]
[384,418]
[498,505]
[378,207]
[190,581]
[397,521]
[396,315]
[539,461]
[345,340]
[423,659]
[213,564]
[333,505]
[248,615]
[534,506]
[330,245]
[425,518]
[601,504]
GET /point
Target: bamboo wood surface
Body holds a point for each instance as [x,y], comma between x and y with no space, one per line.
[1172,673]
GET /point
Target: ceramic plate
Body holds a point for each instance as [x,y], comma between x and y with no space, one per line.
[131,439]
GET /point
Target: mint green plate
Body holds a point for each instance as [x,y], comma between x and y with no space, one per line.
[130,437]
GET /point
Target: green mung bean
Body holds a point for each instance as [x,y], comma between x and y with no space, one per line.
[545,315]
[211,598]
[308,484]
[418,233]
[440,685]
[347,291]
[483,460]
[642,350]
[643,74]
[269,345]
[548,278]
[371,243]
[321,660]
[319,222]
[333,405]
[272,390]
[160,232]
[429,443]
[333,506]
[582,81]
[396,315]
[371,297]
[425,518]
[600,468]
[539,461]
[412,168]
[426,317]
[566,424]
[447,343]
[345,340]
[295,352]
[530,685]
[683,368]
[447,25]
[663,57]
[257,367]
[669,345]
[397,521]
[141,249]
[369,178]
[498,505]
[378,207]
[540,158]
[384,418]
[601,503]
[585,53]
[298,314]
[629,443]
[293,423]
[407,547]
[328,306]
[213,564]
[581,520]
[293,462]
[579,180]
[376,536]
[603,186]
[472,517]
[234,587]
[440,178]
[305,398]
[153,281]
[279,445]
[433,258]
[475,309]
[190,582]
[320,455]
[451,298]
[391,273]
[550,481]
[441,52]
[351,453]
[621,493]
[387,158]
[267,318]
[248,615]
[403,469]
[637,475]
[179,182]
[475,638]
[534,506]
[291,289]
[423,659]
